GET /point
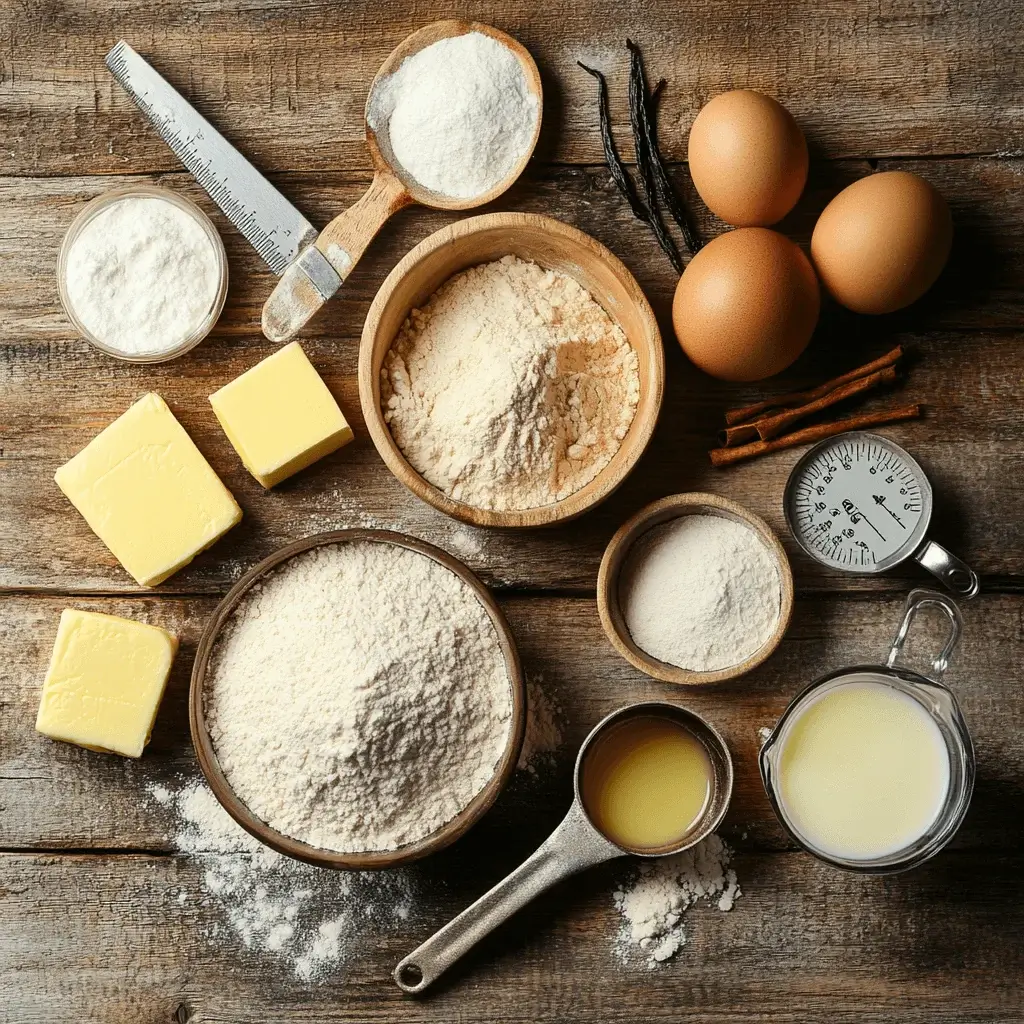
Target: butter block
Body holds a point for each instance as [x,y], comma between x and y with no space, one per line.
[280,417]
[105,682]
[148,493]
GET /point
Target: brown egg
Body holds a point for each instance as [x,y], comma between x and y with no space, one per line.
[882,242]
[748,158]
[746,305]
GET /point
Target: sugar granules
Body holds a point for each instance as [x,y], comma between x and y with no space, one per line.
[654,904]
[311,920]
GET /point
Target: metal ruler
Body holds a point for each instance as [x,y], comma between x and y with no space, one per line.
[273,226]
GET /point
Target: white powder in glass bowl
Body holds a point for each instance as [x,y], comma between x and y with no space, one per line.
[142,275]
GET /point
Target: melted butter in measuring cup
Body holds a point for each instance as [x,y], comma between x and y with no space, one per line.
[652,779]
[645,782]
[860,503]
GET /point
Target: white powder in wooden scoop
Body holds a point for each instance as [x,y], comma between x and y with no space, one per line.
[511,388]
[459,115]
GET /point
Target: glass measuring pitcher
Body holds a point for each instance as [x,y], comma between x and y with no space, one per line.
[922,703]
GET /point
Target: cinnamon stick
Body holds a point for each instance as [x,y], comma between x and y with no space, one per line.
[811,435]
[771,426]
[767,427]
[796,398]
[741,433]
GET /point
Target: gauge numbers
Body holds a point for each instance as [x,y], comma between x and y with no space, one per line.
[857,501]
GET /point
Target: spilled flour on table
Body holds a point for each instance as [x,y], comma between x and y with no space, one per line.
[654,904]
[466,542]
[543,730]
[309,919]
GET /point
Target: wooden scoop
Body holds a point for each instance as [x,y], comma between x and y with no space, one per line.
[320,269]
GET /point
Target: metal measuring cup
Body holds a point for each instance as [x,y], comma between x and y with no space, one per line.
[574,845]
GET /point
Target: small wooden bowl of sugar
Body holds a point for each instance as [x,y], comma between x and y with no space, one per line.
[717,598]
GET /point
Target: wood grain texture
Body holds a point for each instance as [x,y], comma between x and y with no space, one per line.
[111,944]
[58,392]
[57,397]
[289,86]
[60,796]
[91,927]
[981,289]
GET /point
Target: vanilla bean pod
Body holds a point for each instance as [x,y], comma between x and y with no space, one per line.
[644,159]
[648,123]
[620,175]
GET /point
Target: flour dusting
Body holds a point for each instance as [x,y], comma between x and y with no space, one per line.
[543,730]
[654,904]
[310,920]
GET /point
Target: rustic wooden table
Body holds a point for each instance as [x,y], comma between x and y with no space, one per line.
[89,930]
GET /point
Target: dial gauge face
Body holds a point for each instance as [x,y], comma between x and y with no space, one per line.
[858,502]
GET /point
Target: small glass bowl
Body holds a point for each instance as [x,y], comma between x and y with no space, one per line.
[97,206]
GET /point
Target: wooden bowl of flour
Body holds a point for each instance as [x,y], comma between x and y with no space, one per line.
[617,553]
[441,837]
[550,244]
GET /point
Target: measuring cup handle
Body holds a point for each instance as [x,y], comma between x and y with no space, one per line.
[573,846]
[916,600]
[955,574]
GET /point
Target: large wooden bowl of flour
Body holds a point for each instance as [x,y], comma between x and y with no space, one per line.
[551,245]
[204,677]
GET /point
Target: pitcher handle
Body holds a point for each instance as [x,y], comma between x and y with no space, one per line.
[916,600]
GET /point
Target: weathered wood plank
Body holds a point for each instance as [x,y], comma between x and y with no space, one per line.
[927,77]
[57,392]
[57,397]
[57,796]
[109,943]
[982,288]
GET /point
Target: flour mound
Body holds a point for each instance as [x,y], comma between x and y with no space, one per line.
[511,388]
[701,592]
[358,699]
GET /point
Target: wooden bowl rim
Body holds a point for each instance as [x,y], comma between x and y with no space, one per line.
[269,836]
[449,28]
[617,551]
[651,390]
